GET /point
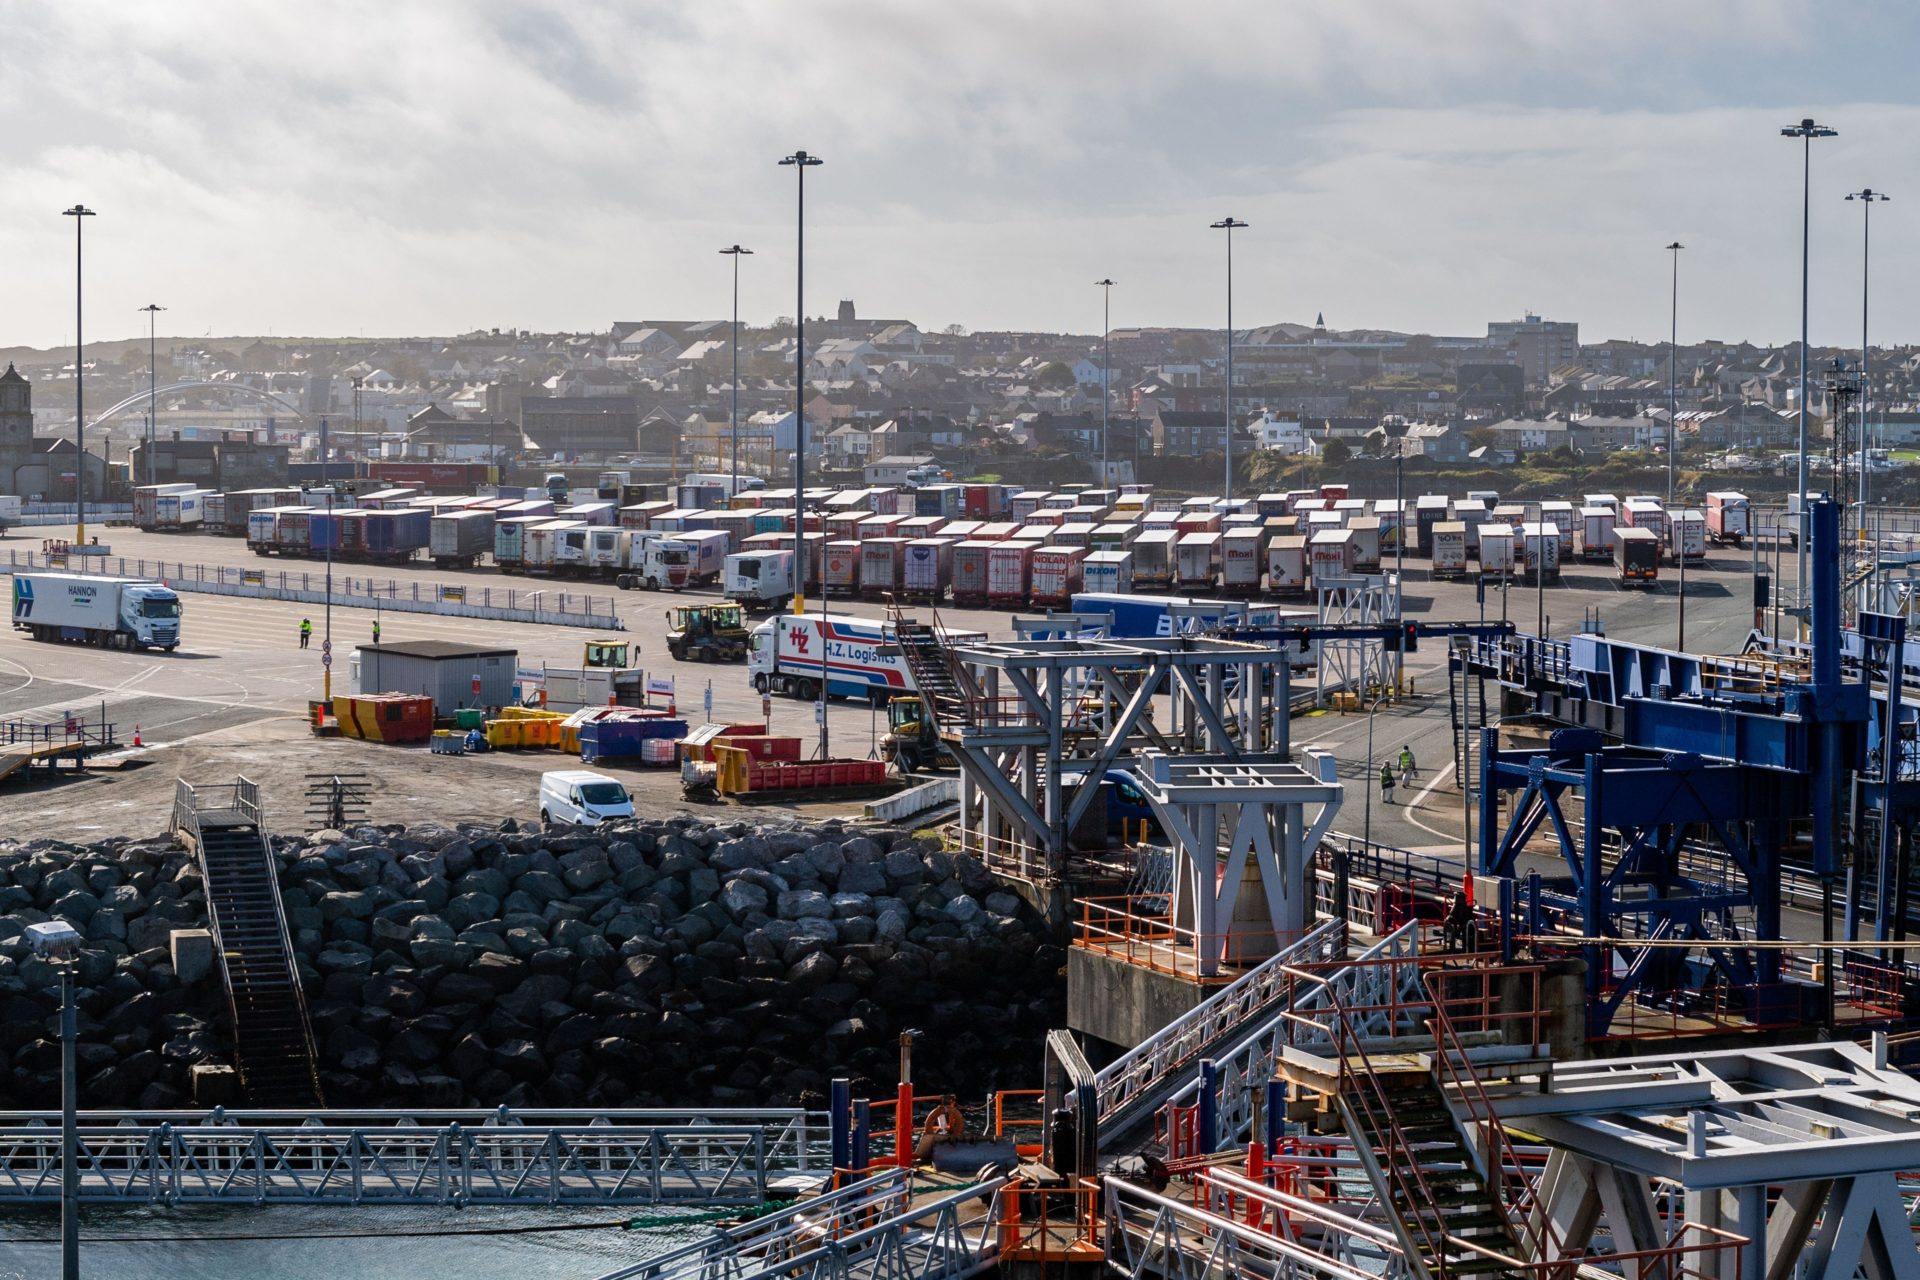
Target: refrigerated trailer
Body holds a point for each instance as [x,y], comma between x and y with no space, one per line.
[855,657]
[1636,556]
[1058,572]
[968,573]
[1197,560]
[1727,518]
[1287,565]
[1449,549]
[1240,561]
[1687,537]
[1540,550]
[1153,559]
[124,613]
[1596,533]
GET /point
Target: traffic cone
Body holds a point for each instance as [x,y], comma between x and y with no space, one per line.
[136,737]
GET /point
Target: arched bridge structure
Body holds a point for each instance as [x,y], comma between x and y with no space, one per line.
[238,390]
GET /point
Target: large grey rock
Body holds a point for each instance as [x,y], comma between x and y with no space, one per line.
[863,877]
[801,904]
[740,897]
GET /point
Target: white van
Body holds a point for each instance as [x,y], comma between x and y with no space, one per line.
[581,797]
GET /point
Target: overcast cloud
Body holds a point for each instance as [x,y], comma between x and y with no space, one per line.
[395,167]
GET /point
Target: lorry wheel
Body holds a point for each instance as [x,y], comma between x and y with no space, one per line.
[760,683]
[679,652]
[545,820]
[807,691]
[169,648]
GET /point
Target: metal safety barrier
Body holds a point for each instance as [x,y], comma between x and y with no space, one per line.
[388,1158]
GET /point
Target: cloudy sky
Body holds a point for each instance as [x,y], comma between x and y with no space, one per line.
[427,166]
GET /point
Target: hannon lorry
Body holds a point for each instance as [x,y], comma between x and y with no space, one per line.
[123,613]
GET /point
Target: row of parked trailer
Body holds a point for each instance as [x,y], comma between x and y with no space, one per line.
[926,544]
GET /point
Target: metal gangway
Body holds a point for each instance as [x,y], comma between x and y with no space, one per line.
[478,1157]
[1134,1086]
[868,1230]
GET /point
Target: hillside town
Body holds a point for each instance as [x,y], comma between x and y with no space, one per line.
[885,397]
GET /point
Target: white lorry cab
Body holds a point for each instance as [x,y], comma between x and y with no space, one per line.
[581,797]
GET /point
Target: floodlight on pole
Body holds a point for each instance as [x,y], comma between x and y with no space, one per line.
[1229,225]
[1673,354]
[1867,197]
[1806,131]
[79,213]
[735,252]
[153,383]
[1106,372]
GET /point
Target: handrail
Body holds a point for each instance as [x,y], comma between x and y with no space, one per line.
[1503,1172]
[1371,1097]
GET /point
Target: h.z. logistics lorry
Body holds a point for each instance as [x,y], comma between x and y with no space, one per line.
[858,657]
[124,613]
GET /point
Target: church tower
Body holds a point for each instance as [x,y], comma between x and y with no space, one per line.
[16,416]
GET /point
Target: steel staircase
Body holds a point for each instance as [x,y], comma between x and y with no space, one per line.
[272,1038]
[1420,1166]
[947,688]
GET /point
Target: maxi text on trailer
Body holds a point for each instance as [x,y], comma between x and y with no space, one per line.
[861,658]
[1687,537]
[1449,549]
[123,613]
[1596,533]
[1636,556]
[1727,517]
[882,567]
[1240,564]
[1330,556]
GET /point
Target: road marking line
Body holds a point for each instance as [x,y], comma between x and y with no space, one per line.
[1420,799]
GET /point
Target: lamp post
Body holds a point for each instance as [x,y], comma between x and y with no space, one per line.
[1806,131]
[735,251]
[58,943]
[1867,198]
[1229,225]
[1673,384]
[79,213]
[801,162]
[1106,372]
[359,440]
[153,383]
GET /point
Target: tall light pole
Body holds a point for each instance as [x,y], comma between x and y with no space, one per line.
[1229,225]
[79,213]
[735,251]
[801,162]
[153,382]
[1806,131]
[1867,197]
[1673,354]
[1106,371]
[359,440]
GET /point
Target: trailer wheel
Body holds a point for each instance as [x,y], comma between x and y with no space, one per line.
[806,691]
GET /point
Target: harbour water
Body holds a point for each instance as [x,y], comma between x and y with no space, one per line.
[289,1242]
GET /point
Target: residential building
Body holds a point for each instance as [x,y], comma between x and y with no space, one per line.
[895,467]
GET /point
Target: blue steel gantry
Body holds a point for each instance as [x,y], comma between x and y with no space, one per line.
[1675,854]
